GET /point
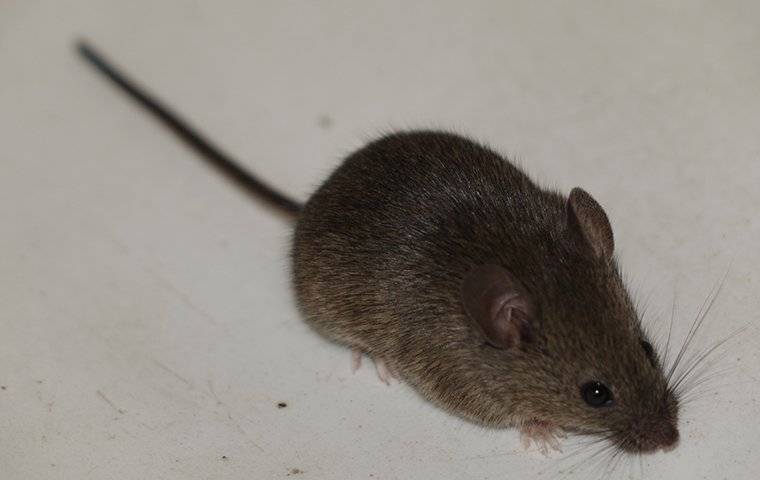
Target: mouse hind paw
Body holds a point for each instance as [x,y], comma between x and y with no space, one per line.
[384,373]
[356,359]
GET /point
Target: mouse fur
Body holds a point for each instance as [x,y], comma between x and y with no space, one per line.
[380,255]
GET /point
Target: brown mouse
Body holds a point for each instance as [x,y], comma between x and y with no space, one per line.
[496,299]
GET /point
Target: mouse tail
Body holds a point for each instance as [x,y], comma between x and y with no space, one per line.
[182,129]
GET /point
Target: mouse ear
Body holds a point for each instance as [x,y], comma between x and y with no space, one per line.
[496,301]
[587,221]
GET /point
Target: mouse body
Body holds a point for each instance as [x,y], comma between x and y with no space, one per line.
[494,298]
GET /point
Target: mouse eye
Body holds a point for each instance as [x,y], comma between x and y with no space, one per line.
[648,351]
[596,394]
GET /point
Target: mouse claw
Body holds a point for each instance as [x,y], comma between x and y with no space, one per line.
[544,435]
[356,359]
[383,372]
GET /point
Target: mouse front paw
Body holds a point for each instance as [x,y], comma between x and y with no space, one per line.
[544,435]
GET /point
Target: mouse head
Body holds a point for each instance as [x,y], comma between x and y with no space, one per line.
[573,338]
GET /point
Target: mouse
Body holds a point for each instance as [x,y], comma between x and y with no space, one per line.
[496,299]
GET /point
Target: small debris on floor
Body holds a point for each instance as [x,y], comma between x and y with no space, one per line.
[324,121]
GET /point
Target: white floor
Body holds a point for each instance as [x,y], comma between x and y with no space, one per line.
[147,328]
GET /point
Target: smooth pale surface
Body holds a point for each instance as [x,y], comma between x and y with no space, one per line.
[147,328]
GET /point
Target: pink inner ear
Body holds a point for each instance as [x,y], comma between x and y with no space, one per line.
[509,314]
[589,221]
[498,304]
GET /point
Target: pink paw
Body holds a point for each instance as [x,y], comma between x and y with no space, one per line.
[383,372]
[356,360]
[544,435]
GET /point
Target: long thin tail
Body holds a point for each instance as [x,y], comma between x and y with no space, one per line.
[207,150]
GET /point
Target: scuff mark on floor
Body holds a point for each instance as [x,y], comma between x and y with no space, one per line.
[103,397]
[173,373]
[233,421]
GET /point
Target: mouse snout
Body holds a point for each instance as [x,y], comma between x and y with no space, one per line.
[661,433]
[665,435]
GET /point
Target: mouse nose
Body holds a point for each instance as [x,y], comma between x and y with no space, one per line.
[662,435]
[668,436]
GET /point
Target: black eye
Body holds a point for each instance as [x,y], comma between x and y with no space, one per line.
[648,350]
[596,394]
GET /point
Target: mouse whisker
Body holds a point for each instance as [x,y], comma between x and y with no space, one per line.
[703,375]
[585,463]
[583,446]
[697,397]
[701,378]
[600,455]
[696,324]
[617,457]
[701,358]
[699,320]
[604,463]
[643,307]
[673,310]
[579,448]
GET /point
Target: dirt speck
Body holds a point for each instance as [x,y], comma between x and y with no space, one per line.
[324,121]
[3,387]
[295,471]
[224,457]
[282,405]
